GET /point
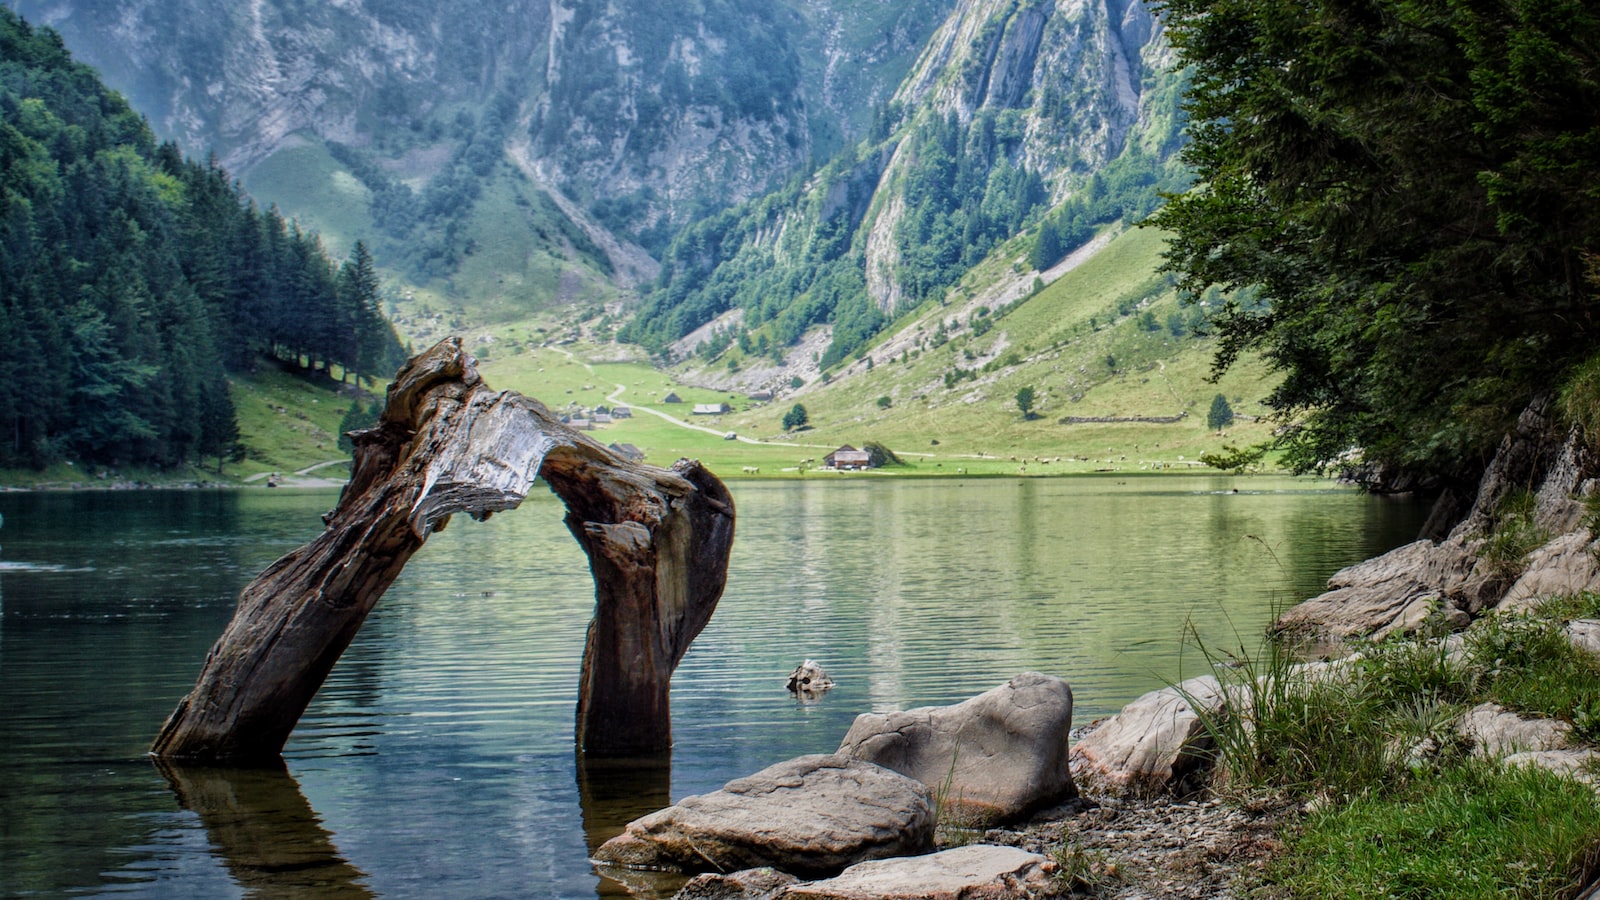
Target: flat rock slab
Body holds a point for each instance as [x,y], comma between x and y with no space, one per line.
[1585,634]
[1563,566]
[993,758]
[1148,747]
[811,816]
[1498,732]
[974,872]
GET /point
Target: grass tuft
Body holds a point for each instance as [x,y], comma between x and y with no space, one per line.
[1397,804]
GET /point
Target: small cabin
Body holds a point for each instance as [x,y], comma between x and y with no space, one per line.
[601,418]
[579,423]
[672,397]
[626,451]
[710,409]
[848,459]
[621,412]
[760,396]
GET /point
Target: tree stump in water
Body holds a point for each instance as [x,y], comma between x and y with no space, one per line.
[657,541]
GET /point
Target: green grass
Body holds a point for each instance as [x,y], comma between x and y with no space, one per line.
[1528,664]
[326,199]
[287,423]
[1403,806]
[1470,831]
[975,424]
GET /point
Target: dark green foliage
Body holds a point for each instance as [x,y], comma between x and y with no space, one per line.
[796,417]
[965,192]
[359,417]
[1220,415]
[878,455]
[131,278]
[1235,459]
[1025,401]
[1411,185]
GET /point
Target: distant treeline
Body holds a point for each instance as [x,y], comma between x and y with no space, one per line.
[133,279]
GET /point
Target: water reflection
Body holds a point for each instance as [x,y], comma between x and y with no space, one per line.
[613,792]
[263,829]
[438,757]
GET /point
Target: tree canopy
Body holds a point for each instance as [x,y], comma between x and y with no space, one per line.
[1412,186]
[132,279]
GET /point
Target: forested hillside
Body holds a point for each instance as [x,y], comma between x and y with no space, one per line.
[132,279]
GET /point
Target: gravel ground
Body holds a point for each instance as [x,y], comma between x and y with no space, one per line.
[1201,849]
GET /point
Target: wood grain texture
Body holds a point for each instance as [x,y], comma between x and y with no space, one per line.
[657,539]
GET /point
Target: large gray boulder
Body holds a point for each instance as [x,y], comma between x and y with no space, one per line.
[1393,592]
[811,816]
[1153,744]
[965,873]
[993,758]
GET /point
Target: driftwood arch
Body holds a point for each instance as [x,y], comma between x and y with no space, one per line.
[657,540]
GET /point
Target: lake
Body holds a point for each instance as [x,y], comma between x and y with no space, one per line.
[438,758]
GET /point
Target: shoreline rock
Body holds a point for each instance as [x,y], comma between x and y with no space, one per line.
[812,816]
[993,758]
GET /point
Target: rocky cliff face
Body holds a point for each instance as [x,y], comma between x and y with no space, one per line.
[1068,77]
[1011,107]
[645,112]
[240,78]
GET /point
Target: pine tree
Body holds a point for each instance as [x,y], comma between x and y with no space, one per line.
[1220,415]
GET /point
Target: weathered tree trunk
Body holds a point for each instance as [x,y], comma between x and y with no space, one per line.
[658,544]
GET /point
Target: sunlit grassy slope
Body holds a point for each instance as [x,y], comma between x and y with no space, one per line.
[287,424]
[1084,344]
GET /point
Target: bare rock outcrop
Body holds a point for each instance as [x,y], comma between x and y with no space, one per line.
[1585,634]
[1453,578]
[993,758]
[765,883]
[1153,744]
[1565,565]
[1397,590]
[812,816]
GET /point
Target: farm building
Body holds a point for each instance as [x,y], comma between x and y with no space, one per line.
[621,412]
[848,458]
[710,409]
[626,451]
[672,397]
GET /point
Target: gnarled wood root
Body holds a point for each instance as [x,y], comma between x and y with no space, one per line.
[658,542]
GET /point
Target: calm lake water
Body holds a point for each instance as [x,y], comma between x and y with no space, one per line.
[438,760]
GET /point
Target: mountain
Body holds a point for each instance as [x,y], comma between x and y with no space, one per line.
[1039,118]
[530,156]
[441,131]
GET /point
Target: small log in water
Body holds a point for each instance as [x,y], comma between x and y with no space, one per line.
[658,542]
